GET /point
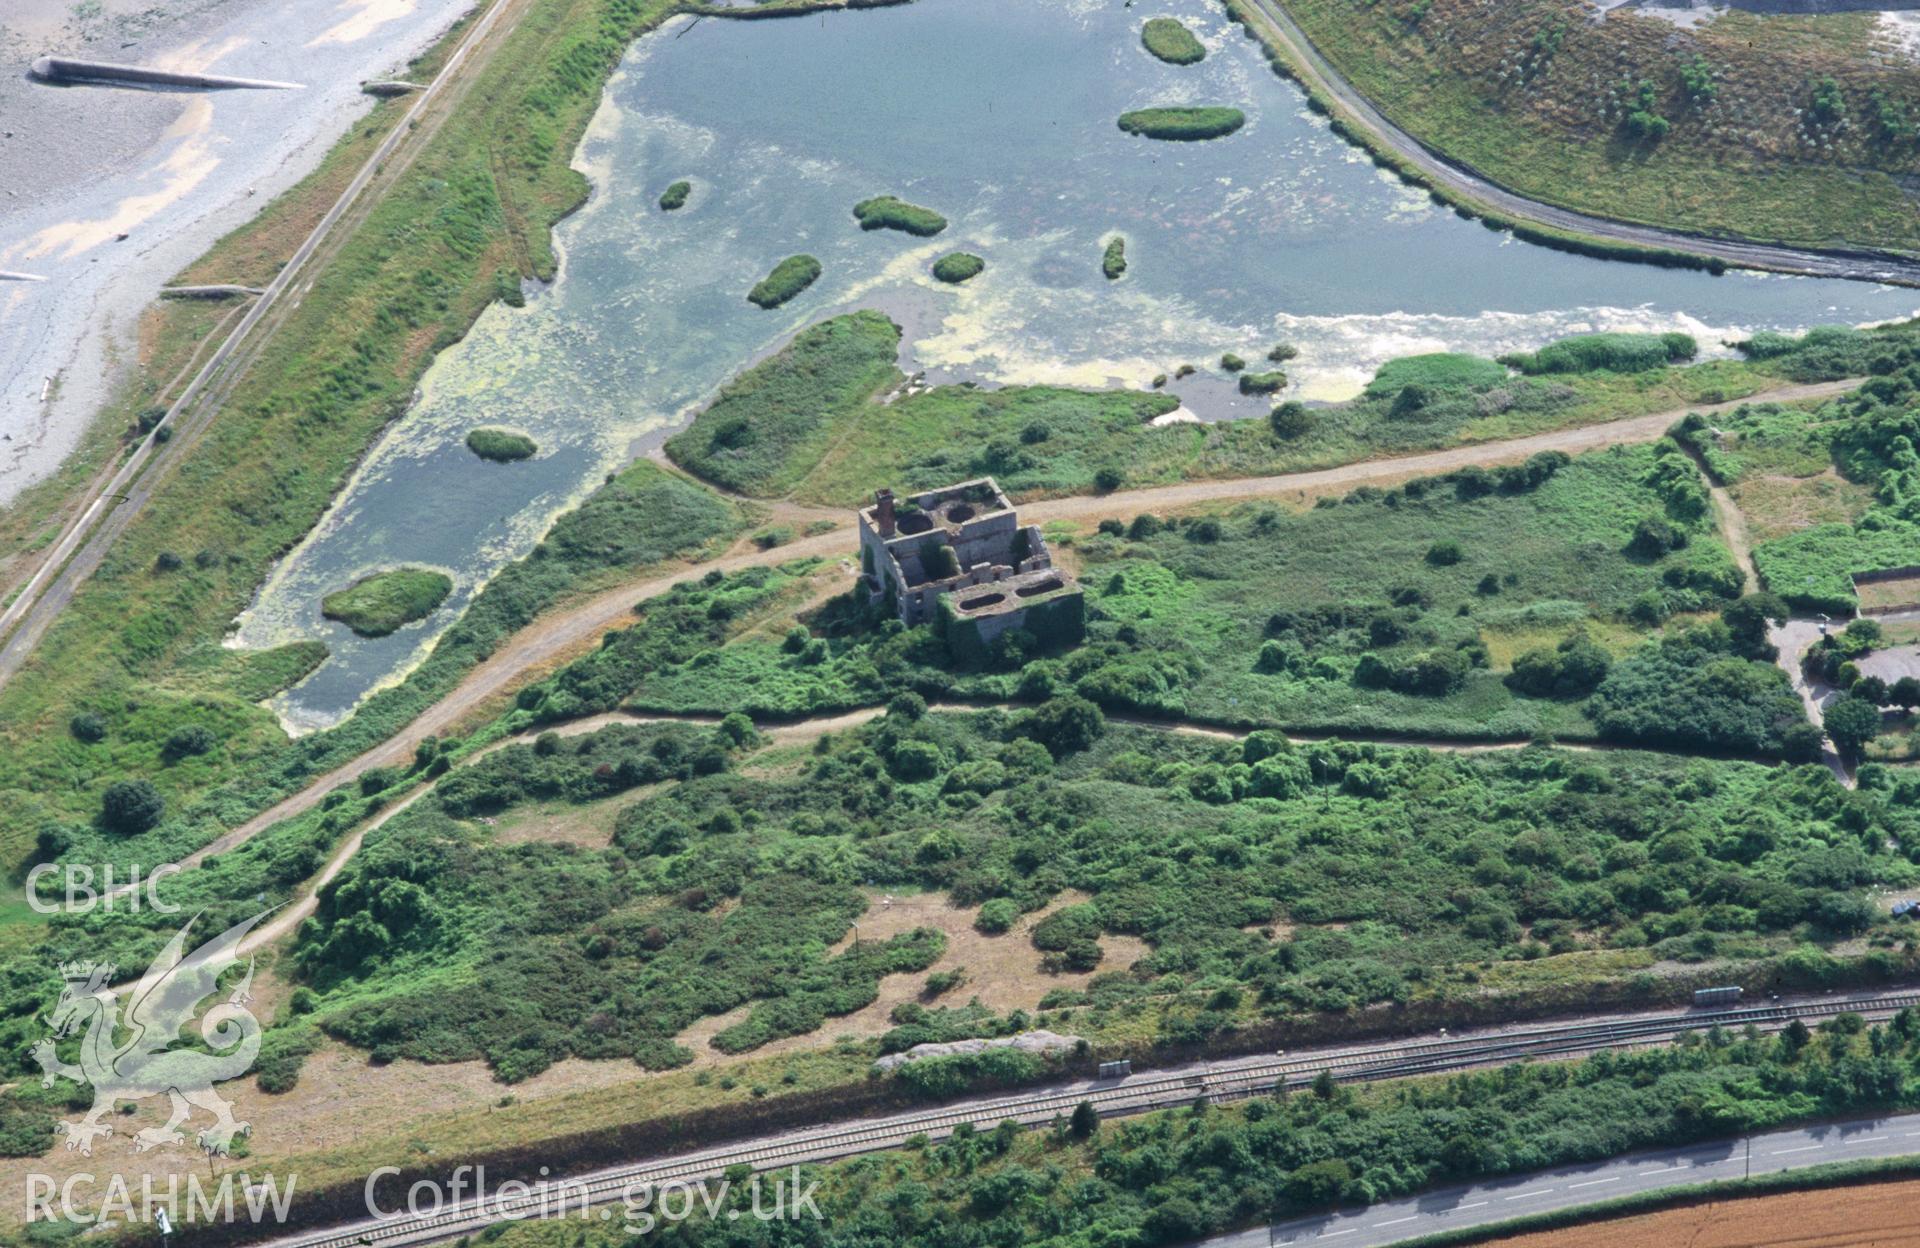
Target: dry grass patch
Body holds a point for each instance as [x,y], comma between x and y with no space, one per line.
[1777,506]
[1003,971]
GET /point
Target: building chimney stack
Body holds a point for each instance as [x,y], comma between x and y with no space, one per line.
[883,511]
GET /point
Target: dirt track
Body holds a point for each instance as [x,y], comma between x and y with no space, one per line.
[551,640]
[1304,484]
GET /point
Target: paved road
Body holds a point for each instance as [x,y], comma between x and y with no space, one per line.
[1570,1187]
[1222,1080]
[1868,266]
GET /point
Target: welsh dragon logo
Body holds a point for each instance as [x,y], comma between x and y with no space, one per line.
[152,1059]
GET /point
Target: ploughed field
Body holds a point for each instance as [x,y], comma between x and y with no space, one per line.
[1877,1214]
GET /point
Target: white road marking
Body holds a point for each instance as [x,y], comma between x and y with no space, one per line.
[1475,1205]
[1330,1234]
[1523,1195]
[1805,1148]
[1398,1221]
[1593,1182]
[1668,1170]
[1872,1139]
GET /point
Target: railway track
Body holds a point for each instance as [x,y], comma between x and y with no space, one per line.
[1223,1081]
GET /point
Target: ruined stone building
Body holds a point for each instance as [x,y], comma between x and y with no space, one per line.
[960,559]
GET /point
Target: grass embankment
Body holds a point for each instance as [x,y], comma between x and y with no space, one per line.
[885,212]
[1728,133]
[387,601]
[788,279]
[1183,124]
[487,184]
[675,196]
[804,423]
[502,446]
[958,266]
[172,336]
[1172,42]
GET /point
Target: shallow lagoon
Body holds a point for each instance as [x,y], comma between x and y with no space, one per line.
[1000,115]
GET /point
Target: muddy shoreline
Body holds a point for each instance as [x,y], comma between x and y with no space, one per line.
[172,170]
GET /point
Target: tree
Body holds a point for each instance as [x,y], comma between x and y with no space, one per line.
[1654,537]
[1747,622]
[1905,693]
[1109,479]
[1411,400]
[1291,420]
[1085,1121]
[131,807]
[188,741]
[1319,1183]
[1851,722]
[88,727]
[1064,725]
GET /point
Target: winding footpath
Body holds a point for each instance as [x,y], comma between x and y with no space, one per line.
[1860,265]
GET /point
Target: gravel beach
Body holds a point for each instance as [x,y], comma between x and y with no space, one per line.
[173,170]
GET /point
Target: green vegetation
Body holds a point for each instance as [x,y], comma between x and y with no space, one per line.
[1172,42]
[1350,617]
[1865,439]
[788,425]
[1181,1175]
[376,605]
[143,649]
[1183,124]
[729,884]
[1113,261]
[1263,383]
[641,518]
[885,212]
[788,278]
[958,266]
[675,196]
[503,446]
[771,424]
[1605,117]
[1440,370]
[1620,353]
[598,967]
